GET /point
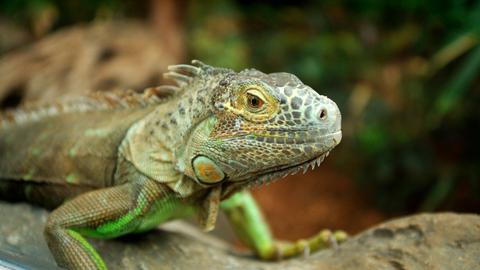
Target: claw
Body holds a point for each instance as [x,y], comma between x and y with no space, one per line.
[333,241]
[278,254]
[306,249]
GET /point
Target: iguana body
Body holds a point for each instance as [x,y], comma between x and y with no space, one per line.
[114,164]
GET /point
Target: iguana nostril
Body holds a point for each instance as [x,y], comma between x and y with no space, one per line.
[323,114]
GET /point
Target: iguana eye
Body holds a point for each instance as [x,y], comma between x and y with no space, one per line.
[254,102]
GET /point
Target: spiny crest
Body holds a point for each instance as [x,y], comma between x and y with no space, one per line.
[96,101]
[182,75]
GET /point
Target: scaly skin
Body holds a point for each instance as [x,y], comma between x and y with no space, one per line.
[127,162]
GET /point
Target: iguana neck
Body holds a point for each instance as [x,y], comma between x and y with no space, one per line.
[157,143]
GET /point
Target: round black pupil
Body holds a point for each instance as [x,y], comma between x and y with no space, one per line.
[254,101]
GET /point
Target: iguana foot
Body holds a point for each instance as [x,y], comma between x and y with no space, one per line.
[322,240]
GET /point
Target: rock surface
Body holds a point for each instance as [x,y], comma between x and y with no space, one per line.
[425,241]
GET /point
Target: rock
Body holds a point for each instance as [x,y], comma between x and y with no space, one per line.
[425,241]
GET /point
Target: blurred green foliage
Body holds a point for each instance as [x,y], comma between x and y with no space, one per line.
[404,73]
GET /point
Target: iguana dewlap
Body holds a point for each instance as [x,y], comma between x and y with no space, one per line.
[118,163]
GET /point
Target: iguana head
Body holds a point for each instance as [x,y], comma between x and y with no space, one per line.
[259,127]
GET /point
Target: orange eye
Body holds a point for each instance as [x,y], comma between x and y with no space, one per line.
[254,102]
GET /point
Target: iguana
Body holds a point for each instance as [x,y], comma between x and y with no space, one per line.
[111,164]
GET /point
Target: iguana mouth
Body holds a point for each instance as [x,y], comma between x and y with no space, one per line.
[275,173]
[301,137]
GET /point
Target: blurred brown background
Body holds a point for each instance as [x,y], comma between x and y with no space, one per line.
[405,75]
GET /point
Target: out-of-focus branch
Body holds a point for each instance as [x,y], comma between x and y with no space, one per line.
[167,19]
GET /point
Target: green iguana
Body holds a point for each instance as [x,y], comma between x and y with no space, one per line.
[118,163]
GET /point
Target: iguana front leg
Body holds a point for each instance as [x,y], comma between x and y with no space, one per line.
[249,224]
[104,213]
